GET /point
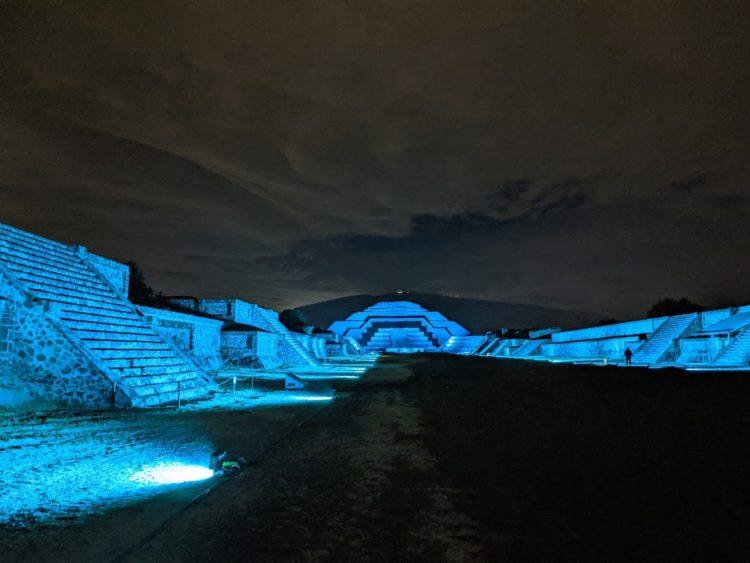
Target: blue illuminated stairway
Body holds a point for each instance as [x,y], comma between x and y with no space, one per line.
[302,353]
[491,347]
[737,353]
[405,338]
[501,348]
[661,341]
[462,344]
[146,367]
[527,348]
[484,345]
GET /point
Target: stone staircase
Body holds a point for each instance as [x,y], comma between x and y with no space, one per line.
[485,345]
[663,339]
[272,319]
[462,344]
[738,352]
[146,367]
[407,338]
[490,349]
[501,349]
[527,349]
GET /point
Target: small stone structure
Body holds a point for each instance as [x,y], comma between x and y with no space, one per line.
[248,346]
[291,347]
[198,337]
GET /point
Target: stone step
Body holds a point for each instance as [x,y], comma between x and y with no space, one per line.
[156,387]
[135,356]
[88,306]
[63,296]
[39,272]
[29,249]
[86,310]
[151,370]
[126,327]
[79,289]
[125,363]
[33,265]
[76,318]
[72,266]
[7,230]
[144,336]
[171,398]
[161,379]
[63,252]
[111,302]
[60,250]
[109,345]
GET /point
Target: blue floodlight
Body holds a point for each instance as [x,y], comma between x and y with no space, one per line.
[171,473]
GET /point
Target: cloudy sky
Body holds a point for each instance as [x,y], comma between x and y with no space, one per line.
[588,155]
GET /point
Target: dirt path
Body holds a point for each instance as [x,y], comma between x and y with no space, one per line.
[355,482]
[468,458]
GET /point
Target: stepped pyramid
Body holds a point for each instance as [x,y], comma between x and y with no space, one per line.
[98,319]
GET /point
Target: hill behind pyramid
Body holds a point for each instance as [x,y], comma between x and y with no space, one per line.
[476,315]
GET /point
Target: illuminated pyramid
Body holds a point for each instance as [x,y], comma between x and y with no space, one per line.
[398,326]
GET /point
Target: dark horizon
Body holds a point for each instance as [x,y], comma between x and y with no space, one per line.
[585,157]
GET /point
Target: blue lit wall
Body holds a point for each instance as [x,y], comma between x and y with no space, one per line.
[704,341]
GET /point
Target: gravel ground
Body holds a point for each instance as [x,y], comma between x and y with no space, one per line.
[440,457]
[69,484]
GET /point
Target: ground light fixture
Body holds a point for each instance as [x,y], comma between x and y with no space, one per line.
[220,465]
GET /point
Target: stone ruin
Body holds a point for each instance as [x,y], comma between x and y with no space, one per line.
[70,336]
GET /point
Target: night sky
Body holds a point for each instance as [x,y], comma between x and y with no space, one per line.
[583,155]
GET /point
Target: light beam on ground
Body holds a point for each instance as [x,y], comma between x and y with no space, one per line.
[171,473]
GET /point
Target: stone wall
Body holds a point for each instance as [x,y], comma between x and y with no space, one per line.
[250,349]
[43,366]
[616,330]
[197,337]
[286,354]
[315,344]
[118,275]
[701,350]
[609,348]
[217,307]
[242,312]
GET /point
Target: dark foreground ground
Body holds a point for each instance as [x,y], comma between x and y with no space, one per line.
[435,457]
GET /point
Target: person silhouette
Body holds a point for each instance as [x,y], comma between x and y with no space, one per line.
[628,356]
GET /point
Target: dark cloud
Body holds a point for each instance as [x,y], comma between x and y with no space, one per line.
[730,201]
[509,194]
[479,148]
[532,258]
[690,184]
[564,194]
